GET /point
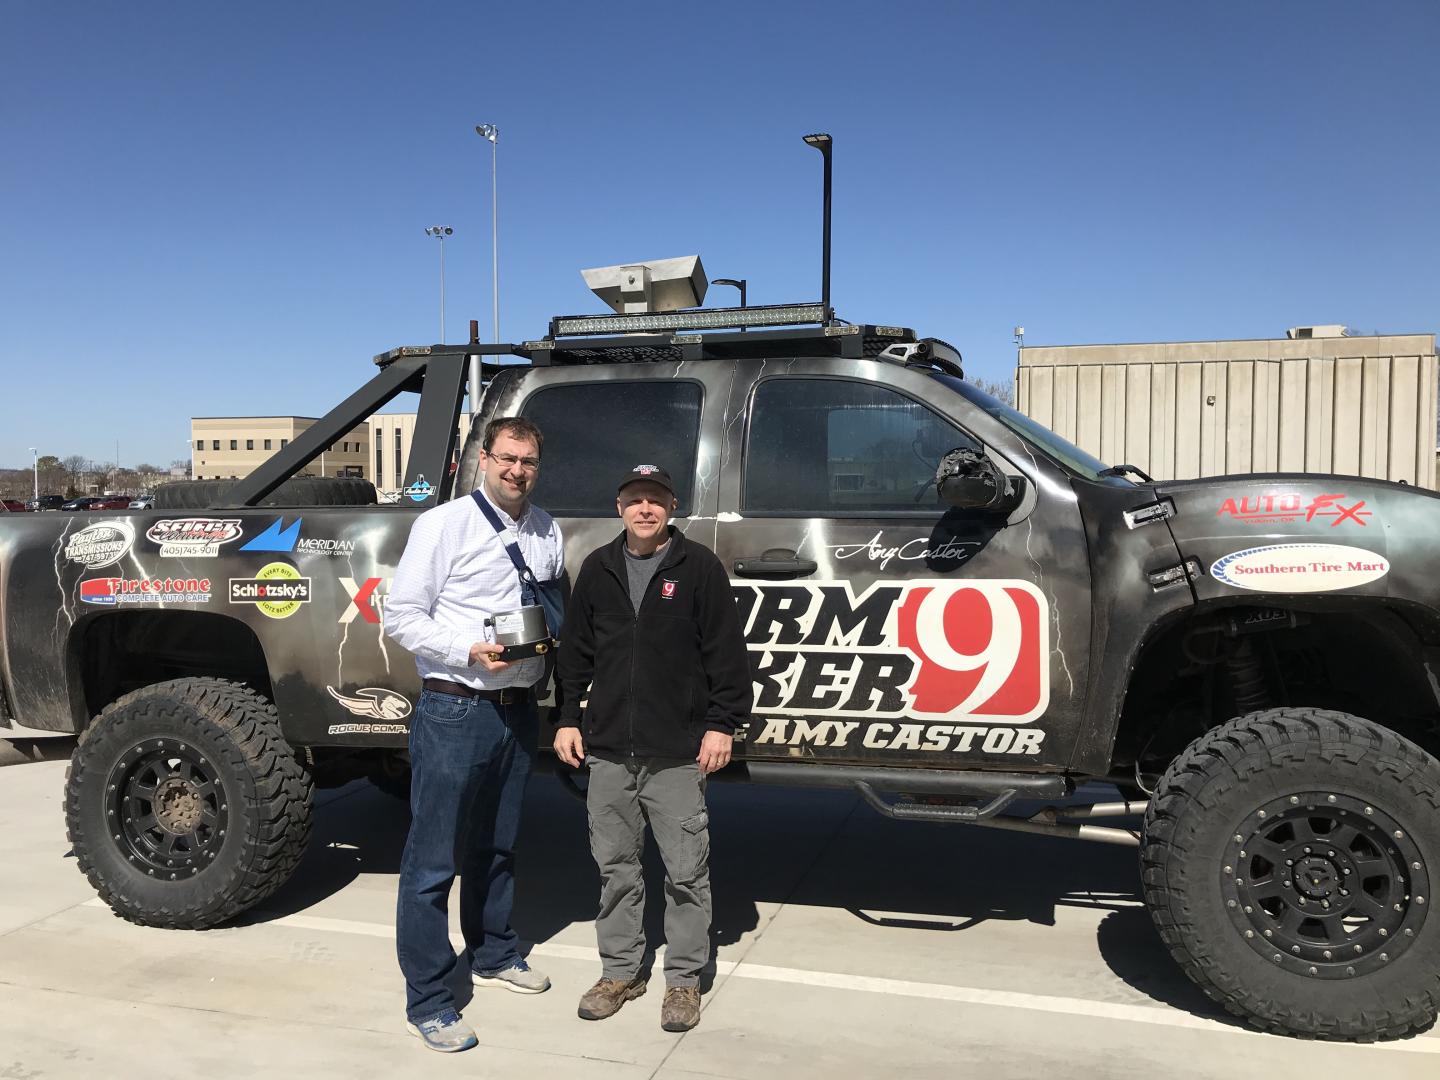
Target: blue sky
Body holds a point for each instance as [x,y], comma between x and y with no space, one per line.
[210,209]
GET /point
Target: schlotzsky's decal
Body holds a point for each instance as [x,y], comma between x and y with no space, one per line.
[376,703]
[193,538]
[102,544]
[277,590]
[1288,507]
[1299,568]
[968,659]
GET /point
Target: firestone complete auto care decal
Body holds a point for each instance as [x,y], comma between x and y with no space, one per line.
[970,659]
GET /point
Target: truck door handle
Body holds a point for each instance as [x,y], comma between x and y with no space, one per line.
[776,562]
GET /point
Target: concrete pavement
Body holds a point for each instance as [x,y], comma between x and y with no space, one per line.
[848,946]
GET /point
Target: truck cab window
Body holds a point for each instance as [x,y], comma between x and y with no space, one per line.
[822,446]
[595,431]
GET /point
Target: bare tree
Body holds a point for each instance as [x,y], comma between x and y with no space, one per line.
[1000,391]
[75,466]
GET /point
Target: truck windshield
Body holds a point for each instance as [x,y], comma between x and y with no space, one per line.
[1062,450]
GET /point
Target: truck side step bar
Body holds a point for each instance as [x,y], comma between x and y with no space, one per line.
[910,811]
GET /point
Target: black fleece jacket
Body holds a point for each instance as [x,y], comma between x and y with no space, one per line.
[659,679]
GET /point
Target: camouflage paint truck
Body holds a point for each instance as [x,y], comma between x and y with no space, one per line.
[950,610]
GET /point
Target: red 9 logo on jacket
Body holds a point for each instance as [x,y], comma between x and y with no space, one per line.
[981,649]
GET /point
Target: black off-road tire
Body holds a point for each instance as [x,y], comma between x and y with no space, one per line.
[299,491]
[1344,801]
[185,805]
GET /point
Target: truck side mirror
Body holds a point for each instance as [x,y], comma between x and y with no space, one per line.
[969,480]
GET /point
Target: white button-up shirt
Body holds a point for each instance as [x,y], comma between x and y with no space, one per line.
[454,574]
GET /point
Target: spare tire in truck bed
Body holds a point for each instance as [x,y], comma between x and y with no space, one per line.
[301,491]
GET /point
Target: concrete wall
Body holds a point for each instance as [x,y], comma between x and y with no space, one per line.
[1354,405]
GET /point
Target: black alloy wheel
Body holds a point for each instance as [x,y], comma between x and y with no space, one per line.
[1286,863]
[185,805]
[1326,884]
[168,807]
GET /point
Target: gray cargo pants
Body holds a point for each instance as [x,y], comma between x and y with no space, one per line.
[670,794]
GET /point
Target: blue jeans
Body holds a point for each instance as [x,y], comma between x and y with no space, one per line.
[469,763]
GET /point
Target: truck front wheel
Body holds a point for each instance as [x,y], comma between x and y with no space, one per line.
[1289,859]
[185,805]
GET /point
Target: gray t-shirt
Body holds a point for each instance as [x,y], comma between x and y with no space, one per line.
[640,569]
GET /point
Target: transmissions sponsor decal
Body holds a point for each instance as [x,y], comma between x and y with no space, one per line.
[100,545]
[193,538]
[277,590]
[969,660]
[109,591]
[1299,568]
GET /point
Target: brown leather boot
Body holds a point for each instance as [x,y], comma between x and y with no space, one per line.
[606,996]
[680,1011]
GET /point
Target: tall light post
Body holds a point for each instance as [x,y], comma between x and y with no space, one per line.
[824,144]
[492,133]
[440,232]
[35,464]
[734,283]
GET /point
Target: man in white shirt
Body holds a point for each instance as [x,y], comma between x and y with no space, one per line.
[473,735]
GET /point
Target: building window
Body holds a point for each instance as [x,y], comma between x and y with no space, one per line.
[825,446]
[199,444]
[249,444]
[214,444]
[399,462]
[284,443]
[234,444]
[380,463]
[267,444]
[584,452]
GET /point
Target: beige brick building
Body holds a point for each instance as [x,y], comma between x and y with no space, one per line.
[230,447]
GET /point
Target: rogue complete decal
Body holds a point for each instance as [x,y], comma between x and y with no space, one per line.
[375,703]
[277,590]
[100,545]
[193,538]
[974,653]
[1272,508]
[1300,568]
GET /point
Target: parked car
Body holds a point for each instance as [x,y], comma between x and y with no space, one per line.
[84,502]
[47,502]
[143,501]
[110,502]
[14,506]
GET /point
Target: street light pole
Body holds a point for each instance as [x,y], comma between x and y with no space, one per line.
[734,283]
[492,133]
[35,464]
[440,232]
[824,144]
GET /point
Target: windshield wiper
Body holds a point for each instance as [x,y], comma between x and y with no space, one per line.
[1121,470]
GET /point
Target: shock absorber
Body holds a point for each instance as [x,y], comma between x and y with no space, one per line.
[1247,676]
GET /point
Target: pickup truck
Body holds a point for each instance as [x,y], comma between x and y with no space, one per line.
[950,610]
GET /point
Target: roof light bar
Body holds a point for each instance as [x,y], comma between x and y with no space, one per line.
[697,319]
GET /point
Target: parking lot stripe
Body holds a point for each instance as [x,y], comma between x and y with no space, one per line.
[968,995]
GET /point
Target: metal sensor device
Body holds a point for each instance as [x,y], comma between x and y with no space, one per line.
[522,633]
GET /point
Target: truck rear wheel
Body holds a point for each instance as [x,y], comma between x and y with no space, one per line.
[185,805]
[1288,860]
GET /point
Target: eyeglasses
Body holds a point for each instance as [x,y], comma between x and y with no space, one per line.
[506,461]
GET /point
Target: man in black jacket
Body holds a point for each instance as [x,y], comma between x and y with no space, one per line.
[652,632]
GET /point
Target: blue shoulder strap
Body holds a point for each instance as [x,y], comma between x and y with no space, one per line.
[527,578]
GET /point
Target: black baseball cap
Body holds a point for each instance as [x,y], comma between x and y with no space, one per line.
[654,473]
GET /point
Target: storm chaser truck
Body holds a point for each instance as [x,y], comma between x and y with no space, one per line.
[950,610]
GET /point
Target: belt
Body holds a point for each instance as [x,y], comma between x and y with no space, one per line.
[509,695]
